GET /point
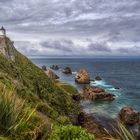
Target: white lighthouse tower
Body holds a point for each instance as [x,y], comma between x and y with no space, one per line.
[2,32]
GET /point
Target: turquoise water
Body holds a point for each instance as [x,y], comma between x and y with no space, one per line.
[121,73]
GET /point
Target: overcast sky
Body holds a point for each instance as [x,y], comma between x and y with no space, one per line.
[86,28]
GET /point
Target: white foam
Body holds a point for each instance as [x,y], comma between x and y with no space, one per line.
[106,86]
[74,72]
[101,83]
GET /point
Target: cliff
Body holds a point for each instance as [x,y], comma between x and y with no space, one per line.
[30,102]
[7,48]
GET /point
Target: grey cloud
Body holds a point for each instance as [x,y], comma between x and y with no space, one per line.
[134,50]
[99,47]
[62,45]
[117,20]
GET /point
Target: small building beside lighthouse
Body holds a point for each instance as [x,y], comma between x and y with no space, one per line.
[2,32]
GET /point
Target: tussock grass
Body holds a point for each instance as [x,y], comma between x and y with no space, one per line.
[122,133]
[17,121]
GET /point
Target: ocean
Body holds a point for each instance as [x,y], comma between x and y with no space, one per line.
[121,77]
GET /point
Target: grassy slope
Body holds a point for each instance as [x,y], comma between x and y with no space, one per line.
[46,102]
[33,85]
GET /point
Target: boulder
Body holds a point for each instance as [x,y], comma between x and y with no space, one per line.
[76,97]
[54,67]
[44,68]
[51,75]
[67,70]
[98,78]
[128,116]
[82,77]
[96,93]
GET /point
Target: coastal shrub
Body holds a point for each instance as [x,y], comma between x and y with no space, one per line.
[70,132]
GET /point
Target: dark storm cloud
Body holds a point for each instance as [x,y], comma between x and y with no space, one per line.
[99,47]
[102,21]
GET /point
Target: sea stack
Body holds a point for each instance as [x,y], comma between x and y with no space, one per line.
[82,77]
[128,116]
[51,74]
[67,70]
[44,68]
[54,67]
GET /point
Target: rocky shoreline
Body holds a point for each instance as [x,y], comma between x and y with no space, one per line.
[94,122]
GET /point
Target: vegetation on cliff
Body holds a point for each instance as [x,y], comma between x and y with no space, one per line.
[31,103]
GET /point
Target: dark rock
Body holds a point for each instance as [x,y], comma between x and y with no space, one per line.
[54,67]
[81,118]
[98,78]
[129,116]
[67,70]
[44,68]
[96,93]
[82,77]
[51,75]
[117,88]
[76,97]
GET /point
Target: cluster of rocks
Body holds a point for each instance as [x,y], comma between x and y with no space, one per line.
[54,67]
[50,73]
[127,115]
[67,70]
[44,68]
[96,94]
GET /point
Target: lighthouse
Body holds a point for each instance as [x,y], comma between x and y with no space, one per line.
[2,32]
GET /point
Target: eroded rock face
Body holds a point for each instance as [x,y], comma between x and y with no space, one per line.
[7,48]
[98,78]
[129,116]
[82,77]
[51,74]
[96,93]
[54,67]
[44,68]
[67,70]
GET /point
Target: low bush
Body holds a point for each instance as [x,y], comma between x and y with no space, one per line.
[70,132]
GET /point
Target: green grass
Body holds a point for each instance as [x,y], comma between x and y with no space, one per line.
[70,132]
[17,120]
[26,92]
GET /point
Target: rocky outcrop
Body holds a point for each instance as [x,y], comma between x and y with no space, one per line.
[51,74]
[128,116]
[7,48]
[98,78]
[54,67]
[82,77]
[81,118]
[67,70]
[44,68]
[96,93]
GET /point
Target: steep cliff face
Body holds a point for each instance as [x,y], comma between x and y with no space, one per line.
[7,48]
[31,83]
